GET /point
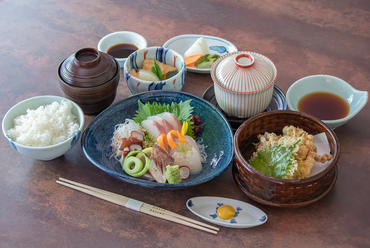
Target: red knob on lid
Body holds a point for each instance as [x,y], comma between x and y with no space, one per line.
[244,60]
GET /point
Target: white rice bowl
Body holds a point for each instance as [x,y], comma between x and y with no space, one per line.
[43,127]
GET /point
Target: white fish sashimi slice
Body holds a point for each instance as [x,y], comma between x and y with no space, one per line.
[171,118]
[153,128]
[190,159]
[167,126]
[158,163]
[155,117]
[163,122]
[200,46]
[193,143]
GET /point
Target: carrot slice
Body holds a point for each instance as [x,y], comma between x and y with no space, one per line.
[170,140]
[192,59]
[161,140]
[191,65]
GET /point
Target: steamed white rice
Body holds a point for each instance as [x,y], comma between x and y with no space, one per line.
[47,125]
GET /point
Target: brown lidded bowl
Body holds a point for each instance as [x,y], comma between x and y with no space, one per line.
[273,191]
[90,78]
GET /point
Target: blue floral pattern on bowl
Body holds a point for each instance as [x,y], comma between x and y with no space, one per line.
[219,49]
[76,136]
[156,86]
[263,218]
[11,142]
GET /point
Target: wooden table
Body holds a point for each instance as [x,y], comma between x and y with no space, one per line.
[301,37]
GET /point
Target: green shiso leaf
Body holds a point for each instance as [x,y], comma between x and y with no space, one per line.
[275,160]
[183,112]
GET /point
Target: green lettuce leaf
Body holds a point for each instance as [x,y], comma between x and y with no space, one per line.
[275,161]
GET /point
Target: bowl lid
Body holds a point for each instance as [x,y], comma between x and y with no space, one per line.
[243,72]
[88,67]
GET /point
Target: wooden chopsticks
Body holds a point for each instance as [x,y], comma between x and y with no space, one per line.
[138,205]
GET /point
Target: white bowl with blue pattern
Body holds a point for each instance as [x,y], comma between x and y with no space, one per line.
[246,215]
[216,45]
[47,152]
[164,55]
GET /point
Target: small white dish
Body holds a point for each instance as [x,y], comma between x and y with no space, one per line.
[246,215]
[121,37]
[216,45]
[325,83]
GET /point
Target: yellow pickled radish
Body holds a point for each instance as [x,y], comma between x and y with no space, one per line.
[184,128]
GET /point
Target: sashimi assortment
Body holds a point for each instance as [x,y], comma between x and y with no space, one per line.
[159,143]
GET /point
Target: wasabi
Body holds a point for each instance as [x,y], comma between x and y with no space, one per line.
[173,174]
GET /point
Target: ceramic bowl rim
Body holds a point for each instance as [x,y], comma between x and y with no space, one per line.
[183,67]
[213,68]
[341,81]
[80,116]
[107,36]
[246,164]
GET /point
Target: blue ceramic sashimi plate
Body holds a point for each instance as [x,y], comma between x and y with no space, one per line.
[216,134]
[216,45]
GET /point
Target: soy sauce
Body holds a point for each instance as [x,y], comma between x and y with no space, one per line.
[122,50]
[324,105]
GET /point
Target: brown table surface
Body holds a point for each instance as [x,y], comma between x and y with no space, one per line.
[301,37]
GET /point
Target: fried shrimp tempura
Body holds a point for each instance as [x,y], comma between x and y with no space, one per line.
[306,151]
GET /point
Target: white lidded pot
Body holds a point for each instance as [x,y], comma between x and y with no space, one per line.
[243,83]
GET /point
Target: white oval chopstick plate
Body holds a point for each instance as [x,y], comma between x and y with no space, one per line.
[246,215]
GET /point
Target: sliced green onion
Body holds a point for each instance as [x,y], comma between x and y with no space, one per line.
[138,169]
[158,70]
[152,68]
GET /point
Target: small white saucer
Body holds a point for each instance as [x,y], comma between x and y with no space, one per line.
[216,45]
[246,215]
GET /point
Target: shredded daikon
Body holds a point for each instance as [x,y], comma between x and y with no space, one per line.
[123,130]
[47,125]
[202,150]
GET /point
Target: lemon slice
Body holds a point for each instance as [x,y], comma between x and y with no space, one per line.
[147,151]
